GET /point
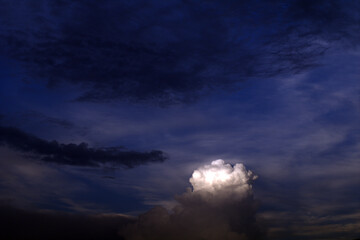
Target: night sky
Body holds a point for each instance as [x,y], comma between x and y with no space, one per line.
[107,108]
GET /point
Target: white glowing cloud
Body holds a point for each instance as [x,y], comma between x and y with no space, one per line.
[221,206]
[220,176]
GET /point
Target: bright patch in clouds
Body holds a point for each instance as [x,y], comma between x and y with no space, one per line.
[220,176]
[221,206]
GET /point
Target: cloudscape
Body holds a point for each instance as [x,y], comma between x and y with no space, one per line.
[180,119]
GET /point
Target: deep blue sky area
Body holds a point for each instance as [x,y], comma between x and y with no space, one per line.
[109,106]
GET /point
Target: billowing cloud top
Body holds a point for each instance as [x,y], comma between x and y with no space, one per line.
[220,176]
[221,206]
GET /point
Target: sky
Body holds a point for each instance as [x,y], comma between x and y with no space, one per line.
[108,107]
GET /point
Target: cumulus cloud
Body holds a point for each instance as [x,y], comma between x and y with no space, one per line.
[74,154]
[220,205]
[219,176]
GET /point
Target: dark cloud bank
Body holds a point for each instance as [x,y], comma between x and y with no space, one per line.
[196,218]
[170,51]
[193,218]
[30,225]
[74,154]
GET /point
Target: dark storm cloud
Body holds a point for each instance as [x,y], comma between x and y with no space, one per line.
[75,154]
[171,51]
[197,219]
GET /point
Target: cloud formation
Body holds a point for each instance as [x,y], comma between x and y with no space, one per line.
[218,176]
[170,52]
[75,154]
[220,206]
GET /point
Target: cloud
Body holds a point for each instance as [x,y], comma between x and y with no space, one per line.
[218,175]
[75,154]
[171,52]
[220,206]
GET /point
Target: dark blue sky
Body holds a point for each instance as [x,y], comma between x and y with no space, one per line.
[159,88]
